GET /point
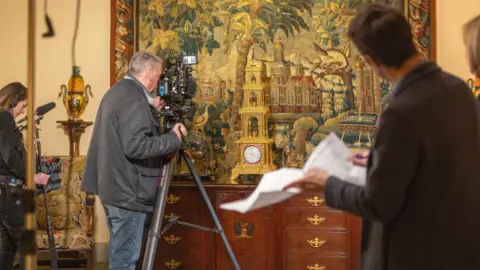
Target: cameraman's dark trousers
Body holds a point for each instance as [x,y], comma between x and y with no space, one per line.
[11,221]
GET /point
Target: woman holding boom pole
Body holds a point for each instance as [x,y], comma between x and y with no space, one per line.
[13,101]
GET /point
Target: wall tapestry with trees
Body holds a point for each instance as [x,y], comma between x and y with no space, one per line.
[317,83]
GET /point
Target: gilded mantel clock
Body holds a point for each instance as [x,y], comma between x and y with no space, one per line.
[254,148]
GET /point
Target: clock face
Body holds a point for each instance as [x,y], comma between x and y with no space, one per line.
[252,154]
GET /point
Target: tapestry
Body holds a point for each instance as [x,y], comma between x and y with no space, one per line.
[317,83]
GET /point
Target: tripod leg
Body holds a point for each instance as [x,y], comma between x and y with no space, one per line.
[198,181]
[156,226]
[51,239]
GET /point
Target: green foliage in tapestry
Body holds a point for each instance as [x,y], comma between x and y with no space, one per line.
[169,26]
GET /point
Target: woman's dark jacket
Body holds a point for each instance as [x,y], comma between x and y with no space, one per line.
[12,150]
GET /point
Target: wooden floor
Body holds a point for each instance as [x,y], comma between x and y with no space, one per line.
[101,266]
[97,266]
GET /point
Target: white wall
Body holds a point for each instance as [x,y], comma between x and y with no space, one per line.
[451,15]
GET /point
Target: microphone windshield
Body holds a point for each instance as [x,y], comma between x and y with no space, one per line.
[45,108]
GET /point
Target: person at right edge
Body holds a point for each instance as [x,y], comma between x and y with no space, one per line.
[420,205]
[124,159]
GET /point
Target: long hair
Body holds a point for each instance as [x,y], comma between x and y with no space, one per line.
[471,37]
[11,94]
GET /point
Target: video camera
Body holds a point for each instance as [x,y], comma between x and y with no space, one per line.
[52,167]
[178,88]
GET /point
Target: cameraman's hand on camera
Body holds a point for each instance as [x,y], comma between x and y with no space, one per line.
[41,179]
[179,130]
[158,103]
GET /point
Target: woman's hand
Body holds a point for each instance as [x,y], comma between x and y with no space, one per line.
[41,179]
[315,178]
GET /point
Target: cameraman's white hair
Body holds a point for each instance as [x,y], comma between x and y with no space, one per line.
[141,60]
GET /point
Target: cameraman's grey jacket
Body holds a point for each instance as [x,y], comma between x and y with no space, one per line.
[125,154]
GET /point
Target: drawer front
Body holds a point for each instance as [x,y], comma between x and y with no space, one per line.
[180,248]
[181,238]
[316,263]
[190,261]
[183,205]
[307,200]
[316,219]
[302,242]
[183,201]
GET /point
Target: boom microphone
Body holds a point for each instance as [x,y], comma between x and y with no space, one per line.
[40,111]
[45,108]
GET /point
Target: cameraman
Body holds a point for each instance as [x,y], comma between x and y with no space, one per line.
[13,101]
[123,164]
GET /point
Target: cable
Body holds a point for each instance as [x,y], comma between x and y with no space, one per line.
[75,32]
[50,31]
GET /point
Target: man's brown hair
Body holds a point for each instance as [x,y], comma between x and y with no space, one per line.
[383,33]
[11,94]
[471,36]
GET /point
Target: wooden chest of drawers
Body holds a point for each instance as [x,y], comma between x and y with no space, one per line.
[301,233]
[318,237]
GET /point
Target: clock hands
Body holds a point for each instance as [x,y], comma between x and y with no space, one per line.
[252,155]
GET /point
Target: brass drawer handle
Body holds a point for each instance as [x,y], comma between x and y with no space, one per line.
[171,215]
[172,239]
[315,201]
[316,243]
[316,267]
[315,220]
[171,199]
[172,264]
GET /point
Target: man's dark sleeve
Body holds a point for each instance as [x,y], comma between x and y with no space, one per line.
[11,146]
[135,129]
[392,169]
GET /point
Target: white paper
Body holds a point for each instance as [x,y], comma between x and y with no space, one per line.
[331,155]
[357,176]
[269,191]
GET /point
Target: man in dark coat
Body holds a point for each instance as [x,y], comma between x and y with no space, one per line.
[421,200]
[125,155]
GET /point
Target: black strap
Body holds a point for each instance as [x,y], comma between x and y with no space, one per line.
[29,243]
[8,180]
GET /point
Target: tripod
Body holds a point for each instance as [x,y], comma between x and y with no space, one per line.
[156,230]
[51,239]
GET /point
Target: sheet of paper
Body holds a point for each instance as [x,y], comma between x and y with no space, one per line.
[357,176]
[331,155]
[269,191]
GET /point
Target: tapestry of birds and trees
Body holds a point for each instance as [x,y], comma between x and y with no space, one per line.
[315,81]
